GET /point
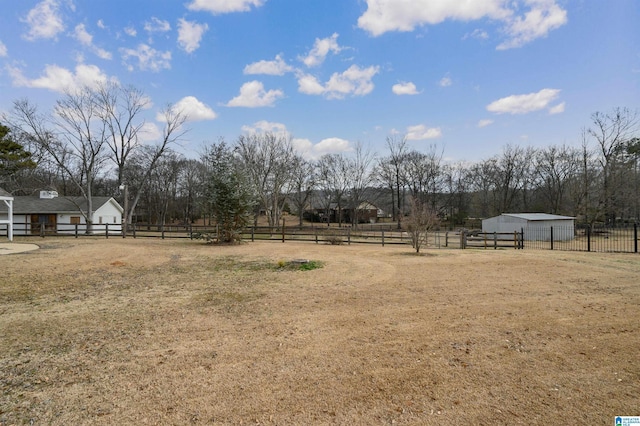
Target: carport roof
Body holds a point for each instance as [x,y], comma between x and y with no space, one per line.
[538,216]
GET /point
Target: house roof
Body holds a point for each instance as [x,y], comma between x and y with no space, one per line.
[538,216]
[34,205]
[4,194]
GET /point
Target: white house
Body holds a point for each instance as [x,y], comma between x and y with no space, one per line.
[49,213]
[536,226]
[7,218]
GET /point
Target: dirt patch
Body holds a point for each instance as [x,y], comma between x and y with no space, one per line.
[174,332]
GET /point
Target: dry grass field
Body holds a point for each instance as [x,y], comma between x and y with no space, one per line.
[115,331]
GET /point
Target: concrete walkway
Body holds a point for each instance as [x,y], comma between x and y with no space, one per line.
[11,248]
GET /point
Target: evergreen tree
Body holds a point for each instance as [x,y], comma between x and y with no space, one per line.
[231,197]
[13,156]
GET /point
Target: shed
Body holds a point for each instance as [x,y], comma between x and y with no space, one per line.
[62,215]
[7,200]
[536,226]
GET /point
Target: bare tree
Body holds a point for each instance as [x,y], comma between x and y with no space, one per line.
[74,137]
[120,109]
[303,181]
[554,168]
[421,220]
[611,132]
[397,153]
[359,178]
[267,158]
[172,131]
[333,173]
[422,174]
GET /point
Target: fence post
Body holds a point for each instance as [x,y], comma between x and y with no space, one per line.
[253,233]
[316,232]
[76,230]
[522,238]
[349,236]
[588,237]
[162,230]
[134,230]
[383,238]
[191,232]
[495,241]
[283,229]
[42,230]
[552,238]
[106,230]
[515,240]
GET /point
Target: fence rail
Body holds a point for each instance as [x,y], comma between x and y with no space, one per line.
[590,239]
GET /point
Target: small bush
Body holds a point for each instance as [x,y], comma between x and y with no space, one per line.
[333,239]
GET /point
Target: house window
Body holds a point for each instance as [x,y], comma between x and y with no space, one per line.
[74,220]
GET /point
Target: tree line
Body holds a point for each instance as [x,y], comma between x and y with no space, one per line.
[92,143]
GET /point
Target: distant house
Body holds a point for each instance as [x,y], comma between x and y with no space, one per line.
[366,212]
[536,226]
[49,213]
[6,199]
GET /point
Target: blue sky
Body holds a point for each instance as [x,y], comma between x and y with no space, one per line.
[468,76]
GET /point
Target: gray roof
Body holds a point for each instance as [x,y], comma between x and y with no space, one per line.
[538,216]
[4,193]
[35,205]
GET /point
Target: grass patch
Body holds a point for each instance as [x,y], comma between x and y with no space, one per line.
[299,265]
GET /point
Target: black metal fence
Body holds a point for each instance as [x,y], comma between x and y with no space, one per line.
[584,238]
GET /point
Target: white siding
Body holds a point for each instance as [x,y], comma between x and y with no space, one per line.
[563,228]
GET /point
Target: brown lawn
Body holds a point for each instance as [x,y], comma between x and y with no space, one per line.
[115,331]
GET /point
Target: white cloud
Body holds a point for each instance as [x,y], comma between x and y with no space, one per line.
[484,123]
[355,81]
[557,109]
[445,81]
[405,88]
[224,6]
[522,104]
[149,132]
[332,145]
[190,34]
[101,24]
[130,31]
[312,151]
[148,58]
[86,39]
[61,79]
[253,94]
[276,67]
[3,50]
[477,34]
[157,26]
[44,20]
[82,35]
[264,126]
[422,132]
[398,15]
[542,16]
[192,108]
[310,85]
[321,49]
[303,146]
